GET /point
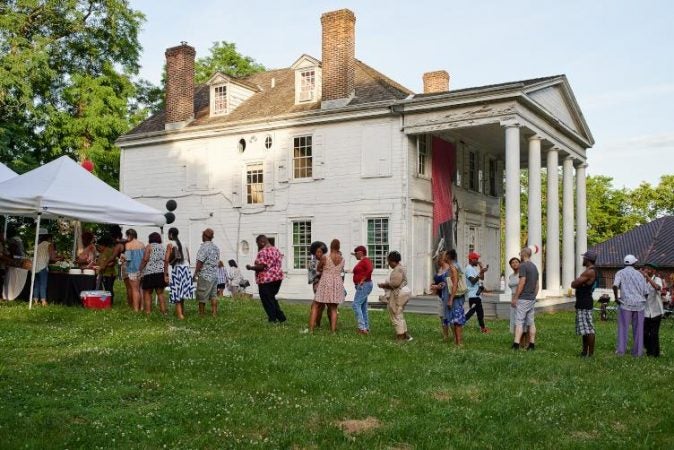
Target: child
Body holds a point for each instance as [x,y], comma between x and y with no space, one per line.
[222,278]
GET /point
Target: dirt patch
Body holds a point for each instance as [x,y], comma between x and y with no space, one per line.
[401,447]
[618,426]
[442,396]
[359,426]
[584,435]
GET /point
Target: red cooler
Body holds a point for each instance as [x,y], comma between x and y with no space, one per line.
[96,299]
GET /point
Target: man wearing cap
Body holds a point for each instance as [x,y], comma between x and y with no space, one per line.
[206,273]
[584,285]
[362,280]
[654,311]
[524,300]
[474,274]
[631,285]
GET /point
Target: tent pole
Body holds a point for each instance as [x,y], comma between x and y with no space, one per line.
[32,271]
[4,233]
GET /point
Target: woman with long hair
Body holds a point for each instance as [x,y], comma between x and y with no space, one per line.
[330,289]
[456,297]
[133,256]
[317,250]
[441,288]
[180,281]
[152,269]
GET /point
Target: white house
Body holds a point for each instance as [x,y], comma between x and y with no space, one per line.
[332,148]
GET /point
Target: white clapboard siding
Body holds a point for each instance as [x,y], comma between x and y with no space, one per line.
[268,179]
[317,156]
[376,150]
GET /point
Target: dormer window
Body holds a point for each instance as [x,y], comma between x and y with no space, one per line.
[307,85]
[307,80]
[220,99]
[227,93]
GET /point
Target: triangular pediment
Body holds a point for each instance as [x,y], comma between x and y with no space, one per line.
[305,61]
[221,78]
[555,96]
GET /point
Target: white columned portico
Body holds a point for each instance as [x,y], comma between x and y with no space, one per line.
[581,216]
[512,192]
[552,214]
[535,221]
[567,225]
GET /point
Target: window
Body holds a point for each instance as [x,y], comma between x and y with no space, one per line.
[491,189]
[472,238]
[377,241]
[302,160]
[422,148]
[307,85]
[301,244]
[472,171]
[254,184]
[268,142]
[220,100]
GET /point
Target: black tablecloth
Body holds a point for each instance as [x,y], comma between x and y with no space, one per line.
[65,288]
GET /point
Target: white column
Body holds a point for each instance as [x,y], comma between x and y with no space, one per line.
[581,217]
[512,193]
[552,240]
[535,222]
[567,225]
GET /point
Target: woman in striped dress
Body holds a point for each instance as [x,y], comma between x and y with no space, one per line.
[181,284]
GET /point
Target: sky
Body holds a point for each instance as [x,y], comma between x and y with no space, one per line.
[618,55]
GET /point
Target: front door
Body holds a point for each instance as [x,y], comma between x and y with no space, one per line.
[422,245]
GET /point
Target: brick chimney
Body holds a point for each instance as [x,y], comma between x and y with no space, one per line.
[437,81]
[338,65]
[179,86]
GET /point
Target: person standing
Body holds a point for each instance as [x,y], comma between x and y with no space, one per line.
[474,275]
[181,285]
[524,300]
[133,256]
[398,294]
[457,296]
[513,281]
[362,280]
[106,265]
[206,273]
[653,312]
[330,289]
[222,278]
[268,275]
[46,253]
[441,288]
[630,291]
[316,250]
[584,285]
[152,270]
[234,277]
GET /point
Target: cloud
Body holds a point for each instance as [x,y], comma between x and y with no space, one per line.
[609,99]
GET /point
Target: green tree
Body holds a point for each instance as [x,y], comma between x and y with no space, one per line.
[66,69]
[225,58]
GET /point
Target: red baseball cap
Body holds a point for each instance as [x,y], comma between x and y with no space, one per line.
[473,255]
[360,248]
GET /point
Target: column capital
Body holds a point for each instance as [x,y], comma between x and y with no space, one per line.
[510,123]
[569,158]
[536,137]
[581,165]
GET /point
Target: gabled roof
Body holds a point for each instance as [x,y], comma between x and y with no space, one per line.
[551,95]
[650,243]
[268,102]
[219,77]
[305,61]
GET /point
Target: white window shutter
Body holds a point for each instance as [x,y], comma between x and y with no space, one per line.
[283,243]
[465,169]
[499,178]
[237,185]
[268,179]
[480,173]
[317,157]
[458,151]
[283,160]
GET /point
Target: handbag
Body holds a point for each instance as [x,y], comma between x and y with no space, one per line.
[461,287]
[244,283]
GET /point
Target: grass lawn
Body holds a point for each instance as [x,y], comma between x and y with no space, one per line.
[74,378]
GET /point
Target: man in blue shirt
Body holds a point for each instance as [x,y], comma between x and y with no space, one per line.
[475,274]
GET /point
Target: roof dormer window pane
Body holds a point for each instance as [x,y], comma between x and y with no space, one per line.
[307,85]
[220,100]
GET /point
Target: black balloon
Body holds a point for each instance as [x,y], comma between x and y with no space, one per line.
[171,205]
[170,217]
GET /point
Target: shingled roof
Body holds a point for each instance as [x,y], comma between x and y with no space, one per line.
[650,243]
[371,86]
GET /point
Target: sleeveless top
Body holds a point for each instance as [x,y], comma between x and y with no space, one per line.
[442,278]
[42,259]
[584,294]
[177,257]
[133,259]
[156,262]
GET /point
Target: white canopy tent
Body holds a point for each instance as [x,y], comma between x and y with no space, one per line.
[5,174]
[63,189]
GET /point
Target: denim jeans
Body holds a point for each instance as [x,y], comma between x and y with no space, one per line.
[40,290]
[360,305]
